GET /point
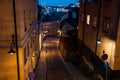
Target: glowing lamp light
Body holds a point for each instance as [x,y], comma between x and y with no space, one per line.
[11,51]
[99,41]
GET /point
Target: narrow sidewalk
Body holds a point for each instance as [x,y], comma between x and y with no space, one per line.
[41,67]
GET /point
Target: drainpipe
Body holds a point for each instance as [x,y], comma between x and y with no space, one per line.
[99,21]
[84,22]
[16,39]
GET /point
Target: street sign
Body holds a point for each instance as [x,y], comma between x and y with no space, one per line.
[31,75]
[104,57]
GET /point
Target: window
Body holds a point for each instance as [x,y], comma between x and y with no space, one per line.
[25,24]
[25,56]
[108,0]
[28,49]
[94,22]
[88,19]
[89,1]
[82,17]
[106,25]
[31,41]
[30,17]
[83,1]
[95,0]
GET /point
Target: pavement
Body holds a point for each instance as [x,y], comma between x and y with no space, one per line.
[40,70]
[52,66]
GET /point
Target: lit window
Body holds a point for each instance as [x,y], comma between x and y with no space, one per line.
[88,19]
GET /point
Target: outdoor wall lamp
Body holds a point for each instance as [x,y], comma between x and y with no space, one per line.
[12,51]
[99,41]
[111,35]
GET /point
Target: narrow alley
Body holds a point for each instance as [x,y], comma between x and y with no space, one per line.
[51,65]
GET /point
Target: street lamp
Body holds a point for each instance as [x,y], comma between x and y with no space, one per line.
[11,51]
[99,41]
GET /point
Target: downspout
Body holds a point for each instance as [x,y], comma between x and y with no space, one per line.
[16,39]
[99,21]
[84,22]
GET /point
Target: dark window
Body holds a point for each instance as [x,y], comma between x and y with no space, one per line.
[95,0]
[89,1]
[108,0]
[82,17]
[28,49]
[24,15]
[83,1]
[94,22]
[25,56]
[106,25]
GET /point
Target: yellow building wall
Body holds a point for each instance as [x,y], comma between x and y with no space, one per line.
[21,63]
[6,20]
[109,47]
[117,53]
[8,65]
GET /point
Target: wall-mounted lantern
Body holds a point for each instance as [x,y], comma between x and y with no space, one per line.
[12,51]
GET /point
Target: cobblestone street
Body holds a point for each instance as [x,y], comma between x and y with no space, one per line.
[51,65]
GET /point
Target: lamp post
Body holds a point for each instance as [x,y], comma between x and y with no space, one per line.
[16,41]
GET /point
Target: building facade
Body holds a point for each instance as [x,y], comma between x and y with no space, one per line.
[51,23]
[50,28]
[19,30]
[100,20]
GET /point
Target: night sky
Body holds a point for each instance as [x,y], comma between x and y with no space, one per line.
[56,2]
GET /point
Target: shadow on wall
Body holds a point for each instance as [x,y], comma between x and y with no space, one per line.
[94,60]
